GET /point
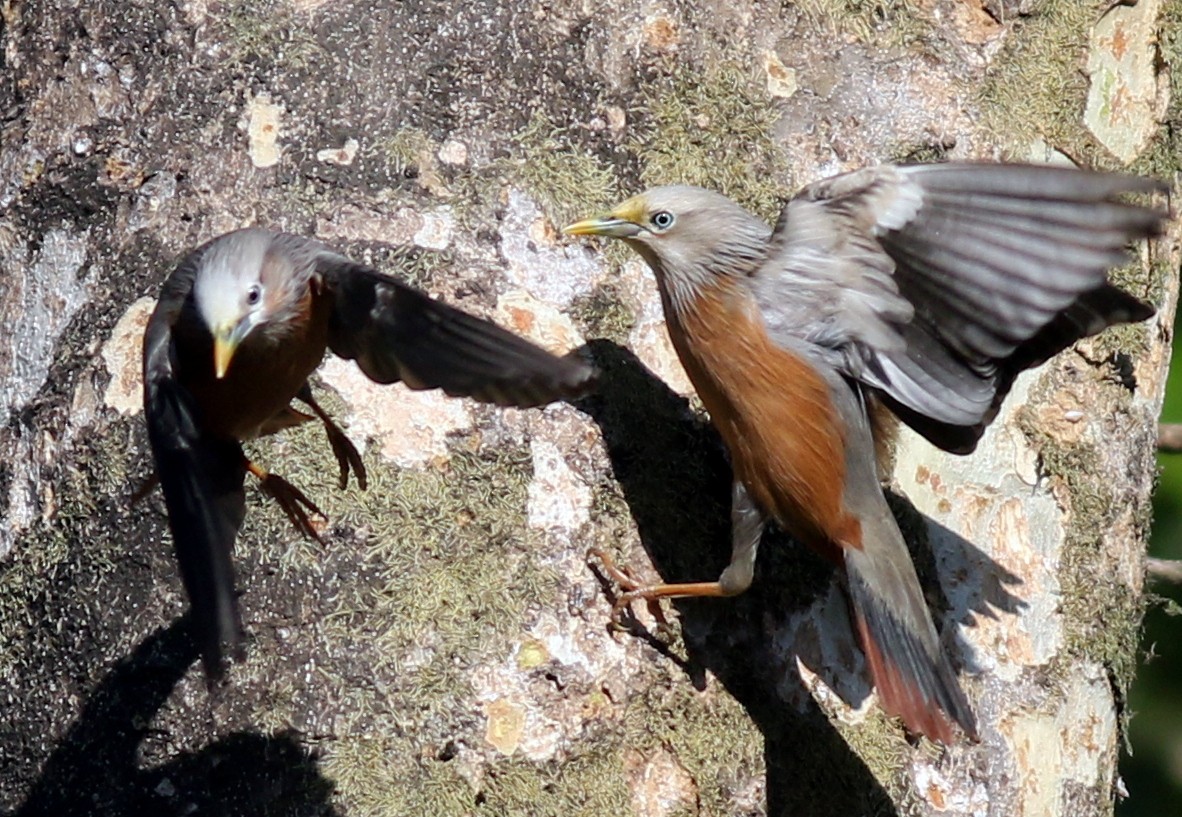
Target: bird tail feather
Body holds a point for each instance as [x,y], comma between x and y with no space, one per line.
[913,675]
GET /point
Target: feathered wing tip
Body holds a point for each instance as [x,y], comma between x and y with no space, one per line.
[1006,266]
[914,677]
[1007,248]
[1030,181]
[395,332]
[468,356]
[1090,314]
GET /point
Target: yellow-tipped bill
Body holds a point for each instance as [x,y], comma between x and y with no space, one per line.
[224,345]
[625,221]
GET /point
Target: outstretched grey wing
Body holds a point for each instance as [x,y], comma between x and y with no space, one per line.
[202,479]
[937,284]
[395,332]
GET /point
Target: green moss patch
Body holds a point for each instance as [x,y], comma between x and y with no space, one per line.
[567,181]
[873,22]
[269,32]
[1036,86]
[711,128]
[1102,616]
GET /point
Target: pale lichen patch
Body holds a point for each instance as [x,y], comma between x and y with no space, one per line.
[409,427]
[342,156]
[1126,100]
[549,271]
[505,725]
[542,323]
[122,356]
[37,308]
[1069,740]
[430,229]
[559,500]
[660,785]
[661,33]
[264,121]
[781,79]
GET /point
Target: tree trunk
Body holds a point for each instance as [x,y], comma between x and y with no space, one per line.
[448,652]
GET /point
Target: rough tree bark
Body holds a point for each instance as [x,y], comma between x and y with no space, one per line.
[448,652]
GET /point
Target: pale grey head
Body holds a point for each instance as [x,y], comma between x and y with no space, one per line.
[250,286]
[688,235]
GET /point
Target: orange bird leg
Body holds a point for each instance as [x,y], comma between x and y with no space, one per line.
[650,593]
[746,529]
[292,500]
[342,447]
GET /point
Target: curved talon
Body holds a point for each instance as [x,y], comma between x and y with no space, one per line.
[632,591]
[342,447]
[614,572]
[347,456]
[290,499]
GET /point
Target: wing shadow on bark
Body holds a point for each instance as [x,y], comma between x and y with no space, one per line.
[675,477]
[95,768]
[984,589]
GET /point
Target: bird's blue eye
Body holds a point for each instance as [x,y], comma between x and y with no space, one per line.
[254,294]
[662,220]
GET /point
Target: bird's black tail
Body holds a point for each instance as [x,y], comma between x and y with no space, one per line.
[202,479]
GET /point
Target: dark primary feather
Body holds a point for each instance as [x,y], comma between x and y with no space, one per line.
[397,333]
[1090,314]
[996,268]
[201,478]
[1030,182]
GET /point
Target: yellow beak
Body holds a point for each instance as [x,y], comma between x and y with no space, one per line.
[609,226]
[624,221]
[225,343]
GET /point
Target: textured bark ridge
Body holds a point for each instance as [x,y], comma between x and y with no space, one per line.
[448,652]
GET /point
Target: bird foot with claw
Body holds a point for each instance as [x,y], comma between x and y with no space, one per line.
[343,449]
[347,456]
[295,504]
[632,590]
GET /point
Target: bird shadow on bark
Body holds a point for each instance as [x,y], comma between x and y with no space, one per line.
[95,768]
[982,586]
[674,474]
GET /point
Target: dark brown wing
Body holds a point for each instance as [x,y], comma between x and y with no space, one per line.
[938,284]
[202,481]
[395,332]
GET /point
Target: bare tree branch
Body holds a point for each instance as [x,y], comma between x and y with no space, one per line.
[1169,438]
[1164,570]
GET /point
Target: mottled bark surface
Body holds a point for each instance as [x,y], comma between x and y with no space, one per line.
[448,652]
